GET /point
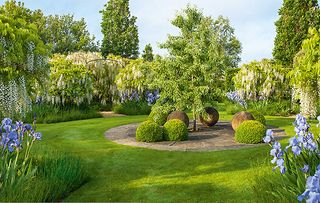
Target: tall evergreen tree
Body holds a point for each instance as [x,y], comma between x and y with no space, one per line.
[119,30]
[296,16]
[147,54]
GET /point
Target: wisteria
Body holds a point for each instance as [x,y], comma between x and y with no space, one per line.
[235,97]
[303,143]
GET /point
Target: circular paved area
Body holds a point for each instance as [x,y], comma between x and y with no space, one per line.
[219,137]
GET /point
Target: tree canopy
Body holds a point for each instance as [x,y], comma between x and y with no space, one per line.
[147,54]
[296,17]
[193,71]
[119,30]
[67,35]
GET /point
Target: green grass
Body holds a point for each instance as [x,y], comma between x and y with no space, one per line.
[123,173]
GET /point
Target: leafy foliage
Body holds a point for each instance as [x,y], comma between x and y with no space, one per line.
[149,132]
[306,74]
[147,54]
[158,115]
[230,74]
[104,73]
[262,80]
[69,83]
[135,76]
[133,107]
[250,132]
[23,58]
[66,35]
[296,16]
[258,116]
[192,73]
[119,30]
[175,130]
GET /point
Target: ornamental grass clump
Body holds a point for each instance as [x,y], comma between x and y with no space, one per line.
[17,140]
[299,162]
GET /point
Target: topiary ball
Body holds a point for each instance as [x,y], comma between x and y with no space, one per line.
[258,116]
[211,118]
[175,130]
[179,115]
[149,131]
[239,117]
[159,116]
[250,132]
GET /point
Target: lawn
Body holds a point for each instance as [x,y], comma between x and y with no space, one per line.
[122,173]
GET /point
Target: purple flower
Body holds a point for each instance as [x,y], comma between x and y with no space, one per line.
[37,136]
[269,136]
[305,168]
[28,127]
[235,97]
[6,121]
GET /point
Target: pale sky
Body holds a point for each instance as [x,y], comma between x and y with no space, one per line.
[253,20]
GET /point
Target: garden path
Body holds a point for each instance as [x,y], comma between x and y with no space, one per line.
[219,137]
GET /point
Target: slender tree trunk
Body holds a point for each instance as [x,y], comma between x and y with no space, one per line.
[194,128]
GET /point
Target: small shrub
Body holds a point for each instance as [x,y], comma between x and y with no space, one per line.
[258,116]
[132,108]
[159,116]
[149,131]
[250,132]
[175,130]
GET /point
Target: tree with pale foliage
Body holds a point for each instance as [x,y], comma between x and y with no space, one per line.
[192,73]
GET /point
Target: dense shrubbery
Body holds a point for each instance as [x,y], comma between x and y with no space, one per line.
[149,131]
[175,130]
[132,108]
[258,116]
[46,113]
[158,115]
[250,132]
[270,108]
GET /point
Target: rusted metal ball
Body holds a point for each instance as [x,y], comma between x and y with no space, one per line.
[240,117]
[179,115]
[211,118]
